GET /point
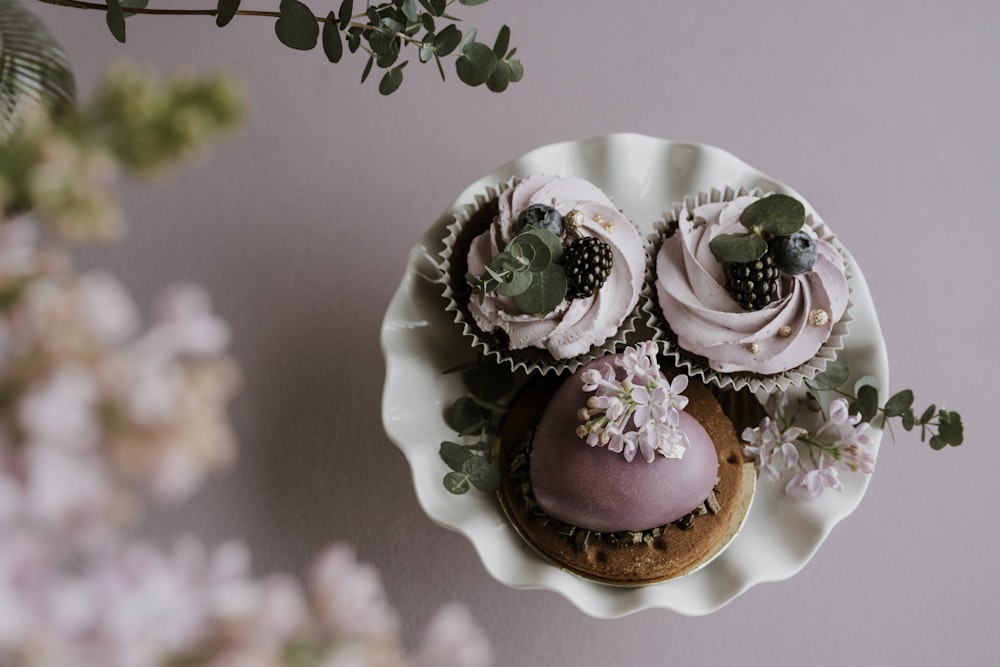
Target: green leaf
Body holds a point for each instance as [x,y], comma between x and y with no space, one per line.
[738,247]
[225,11]
[928,414]
[476,64]
[865,381]
[427,21]
[547,291]
[836,374]
[938,443]
[435,7]
[454,454]
[333,45]
[447,40]
[346,10]
[500,78]
[899,403]
[908,420]
[473,2]
[482,475]
[464,415]
[391,80]
[368,68]
[515,284]
[457,483]
[115,19]
[778,215]
[409,9]
[297,28]
[540,246]
[516,70]
[133,4]
[950,427]
[425,52]
[502,42]
[867,402]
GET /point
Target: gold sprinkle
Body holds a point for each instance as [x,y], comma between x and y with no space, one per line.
[573,220]
[604,222]
[753,347]
[785,331]
[818,317]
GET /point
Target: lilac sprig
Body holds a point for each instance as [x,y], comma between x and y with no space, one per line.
[810,460]
[639,413]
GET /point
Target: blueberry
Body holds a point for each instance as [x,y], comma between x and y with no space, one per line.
[543,217]
[793,254]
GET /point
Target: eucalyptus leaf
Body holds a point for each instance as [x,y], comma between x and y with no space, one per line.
[133,4]
[435,7]
[899,403]
[500,78]
[345,12]
[457,483]
[738,247]
[908,420]
[777,214]
[950,427]
[333,45]
[454,454]
[476,64]
[515,68]
[547,291]
[515,284]
[297,27]
[447,40]
[867,402]
[391,80]
[368,68]
[482,475]
[225,11]
[865,381]
[938,443]
[115,19]
[473,2]
[464,415]
[409,9]
[425,52]
[836,374]
[502,42]
[427,21]
[927,414]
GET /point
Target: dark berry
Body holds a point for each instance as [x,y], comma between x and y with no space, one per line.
[753,284]
[542,217]
[793,254]
[587,262]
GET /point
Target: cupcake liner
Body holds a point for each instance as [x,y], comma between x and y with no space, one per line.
[473,219]
[695,365]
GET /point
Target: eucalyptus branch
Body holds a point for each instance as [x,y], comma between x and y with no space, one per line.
[382,32]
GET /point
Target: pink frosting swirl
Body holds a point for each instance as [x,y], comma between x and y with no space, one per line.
[576,325]
[707,321]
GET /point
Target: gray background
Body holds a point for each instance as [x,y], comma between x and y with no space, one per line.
[883,114]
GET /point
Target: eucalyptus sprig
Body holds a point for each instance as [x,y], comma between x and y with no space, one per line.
[771,216]
[941,427]
[475,416]
[528,271]
[381,30]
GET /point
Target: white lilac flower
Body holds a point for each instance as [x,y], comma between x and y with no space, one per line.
[810,483]
[637,414]
[452,639]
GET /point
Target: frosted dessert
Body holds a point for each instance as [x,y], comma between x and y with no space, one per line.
[753,316]
[622,475]
[586,483]
[599,252]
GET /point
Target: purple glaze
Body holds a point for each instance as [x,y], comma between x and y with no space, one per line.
[596,489]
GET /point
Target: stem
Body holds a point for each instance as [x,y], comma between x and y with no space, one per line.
[81,4]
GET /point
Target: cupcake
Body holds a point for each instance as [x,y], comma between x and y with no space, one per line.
[748,290]
[618,487]
[544,273]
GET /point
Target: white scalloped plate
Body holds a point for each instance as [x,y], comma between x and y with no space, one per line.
[644,176]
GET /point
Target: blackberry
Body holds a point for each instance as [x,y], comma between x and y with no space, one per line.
[587,262]
[753,284]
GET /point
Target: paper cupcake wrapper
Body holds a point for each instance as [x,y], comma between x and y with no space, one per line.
[697,366]
[456,293]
